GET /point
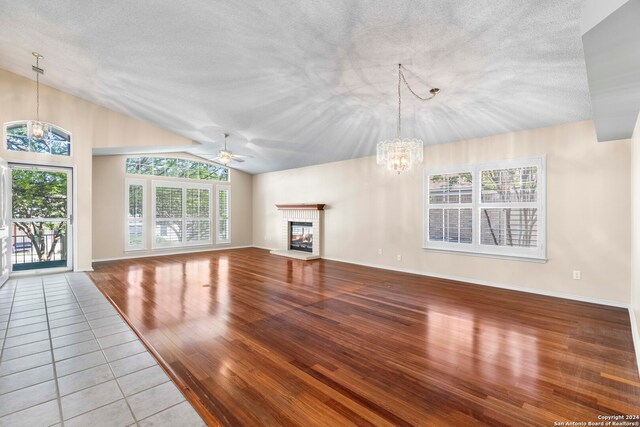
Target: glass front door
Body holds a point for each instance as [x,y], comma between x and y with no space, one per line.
[41,218]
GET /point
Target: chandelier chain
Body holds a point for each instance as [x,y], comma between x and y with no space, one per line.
[399,100]
[402,78]
[37,89]
[433,94]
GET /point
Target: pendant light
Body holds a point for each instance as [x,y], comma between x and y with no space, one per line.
[35,128]
[400,154]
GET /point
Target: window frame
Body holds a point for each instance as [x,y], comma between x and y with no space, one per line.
[128,183]
[183,186]
[475,247]
[59,129]
[155,158]
[223,187]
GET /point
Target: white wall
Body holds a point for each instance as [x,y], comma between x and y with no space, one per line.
[635,232]
[588,207]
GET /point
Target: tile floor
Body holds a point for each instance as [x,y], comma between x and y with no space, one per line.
[68,358]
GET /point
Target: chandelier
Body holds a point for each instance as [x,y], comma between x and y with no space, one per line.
[400,154]
[35,128]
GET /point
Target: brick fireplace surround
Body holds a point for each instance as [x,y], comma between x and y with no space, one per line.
[313,213]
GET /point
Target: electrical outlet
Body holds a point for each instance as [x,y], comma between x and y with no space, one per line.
[379,251]
[576,274]
[399,257]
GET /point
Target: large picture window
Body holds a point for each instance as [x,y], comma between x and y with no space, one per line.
[181,214]
[493,208]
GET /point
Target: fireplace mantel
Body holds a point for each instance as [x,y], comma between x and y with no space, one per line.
[302,206]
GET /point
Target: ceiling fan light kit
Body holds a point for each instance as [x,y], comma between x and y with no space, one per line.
[225,156]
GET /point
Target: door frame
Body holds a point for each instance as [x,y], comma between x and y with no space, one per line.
[5,221]
[71,229]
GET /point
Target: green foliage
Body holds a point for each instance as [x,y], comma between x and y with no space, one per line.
[55,142]
[510,185]
[178,168]
[40,194]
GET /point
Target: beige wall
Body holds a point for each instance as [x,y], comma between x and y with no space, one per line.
[90,126]
[635,233]
[109,209]
[588,212]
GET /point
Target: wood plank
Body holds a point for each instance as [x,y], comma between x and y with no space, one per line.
[256,339]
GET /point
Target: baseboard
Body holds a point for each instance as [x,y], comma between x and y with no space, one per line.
[636,336]
[187,251]
[489,283]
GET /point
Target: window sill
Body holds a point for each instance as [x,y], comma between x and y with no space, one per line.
[190,245]
[135,250]
[483,255]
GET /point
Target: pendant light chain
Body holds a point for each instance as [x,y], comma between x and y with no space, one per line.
[433,91]
[35,128]
[38,89]
[402,78]
[399,100]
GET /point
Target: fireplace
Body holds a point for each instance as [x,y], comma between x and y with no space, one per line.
[301,231]
[301,236]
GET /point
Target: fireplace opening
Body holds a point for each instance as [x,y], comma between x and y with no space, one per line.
[301,236]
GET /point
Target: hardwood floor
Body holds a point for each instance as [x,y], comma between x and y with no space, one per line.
[265,340]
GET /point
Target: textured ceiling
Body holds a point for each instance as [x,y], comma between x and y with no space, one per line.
[306,82]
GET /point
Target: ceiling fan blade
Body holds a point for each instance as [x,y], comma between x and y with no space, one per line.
[233,156]
[235,159]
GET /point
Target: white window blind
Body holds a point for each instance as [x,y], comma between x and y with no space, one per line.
[135,198]
[198,221]
[223,234]
[182,214]
[493,208]
[450,216]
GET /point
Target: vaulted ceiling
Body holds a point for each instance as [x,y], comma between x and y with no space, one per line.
[306,82]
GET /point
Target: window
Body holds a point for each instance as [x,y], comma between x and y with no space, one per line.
[135,198]
[176,168]
[493,208]
[198,223]
[56,141]
[181,214]
[224,203]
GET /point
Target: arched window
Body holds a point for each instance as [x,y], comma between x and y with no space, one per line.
[176,168]
[56,141]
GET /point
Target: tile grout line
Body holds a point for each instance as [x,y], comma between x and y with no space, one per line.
[4,339]
[81,370]
[164,409]
[53,360]
[102,350]
[133,415]
[57,398]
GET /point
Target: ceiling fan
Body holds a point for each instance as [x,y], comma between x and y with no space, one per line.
[225,156]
